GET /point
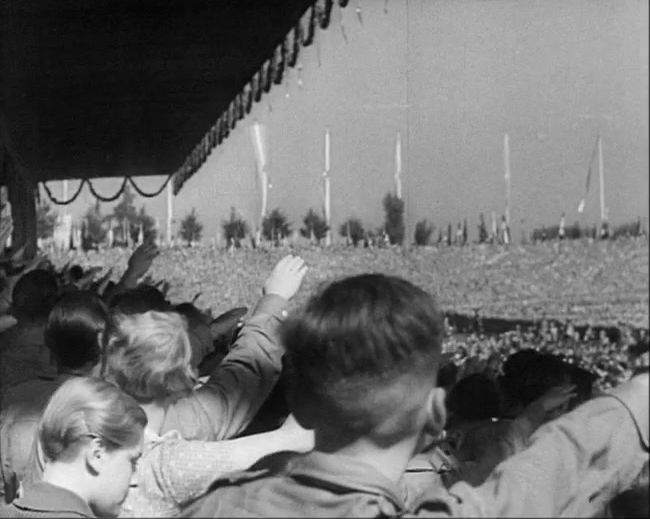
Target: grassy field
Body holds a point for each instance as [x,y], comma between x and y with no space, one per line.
[600,283]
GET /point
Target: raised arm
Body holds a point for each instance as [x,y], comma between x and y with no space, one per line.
[239,385]
[573,465]
[138,265]
[177,471]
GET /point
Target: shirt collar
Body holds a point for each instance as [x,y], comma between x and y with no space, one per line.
[43,497]
[338,471]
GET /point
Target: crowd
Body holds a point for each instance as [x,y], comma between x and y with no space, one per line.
[116,401]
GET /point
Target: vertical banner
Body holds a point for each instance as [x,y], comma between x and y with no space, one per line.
[398,166]
[601,174]
[258,136]
[506,160]
[170,210]
[326,188]
[581,205]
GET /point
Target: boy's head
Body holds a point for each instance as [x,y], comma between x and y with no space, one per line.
[34,295]
[473,398]
[362,359]
[75,329]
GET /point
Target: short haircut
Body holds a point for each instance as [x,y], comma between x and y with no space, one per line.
[198,329]
[76,272]
[528,374]
[83,408]
[34,295]
[149,355]
[472,398]
[364,353]
[73,329]
[143,298]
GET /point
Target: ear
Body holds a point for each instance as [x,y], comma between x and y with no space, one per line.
[95,454]
[437,412]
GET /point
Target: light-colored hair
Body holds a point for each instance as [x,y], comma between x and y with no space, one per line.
[83,408]
[149,355]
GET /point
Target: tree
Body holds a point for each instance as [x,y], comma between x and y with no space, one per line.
[276,226]
[191,229]
[125,209]
[482,230]
[394,218]
[314,225]
[353,230]
[148,224]
[235,228]
[423,232]
[45,220]
[95,233]
[126,215]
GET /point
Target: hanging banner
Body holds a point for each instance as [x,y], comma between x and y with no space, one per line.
[398,166]
[258,137]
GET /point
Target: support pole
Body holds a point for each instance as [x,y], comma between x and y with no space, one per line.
[21,194]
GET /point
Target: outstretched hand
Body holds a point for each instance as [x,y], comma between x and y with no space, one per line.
[286,277]
[141,259]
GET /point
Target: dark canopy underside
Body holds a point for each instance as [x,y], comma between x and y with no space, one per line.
[95,88]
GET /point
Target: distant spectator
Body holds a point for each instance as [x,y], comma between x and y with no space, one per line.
[23,355]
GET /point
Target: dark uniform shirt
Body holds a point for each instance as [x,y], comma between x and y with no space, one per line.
[46,500]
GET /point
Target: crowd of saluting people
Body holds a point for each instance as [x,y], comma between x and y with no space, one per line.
[115,401]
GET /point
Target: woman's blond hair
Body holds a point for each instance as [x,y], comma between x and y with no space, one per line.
[149,355]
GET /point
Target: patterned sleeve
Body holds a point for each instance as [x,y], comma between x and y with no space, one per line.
[180,470]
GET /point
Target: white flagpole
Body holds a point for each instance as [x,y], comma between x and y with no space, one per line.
[169,213]
[398,166]
[326,188]
[601,172]
[506,159]
[259,142]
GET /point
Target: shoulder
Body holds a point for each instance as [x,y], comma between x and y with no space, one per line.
[45,500]
[191,414]
[226,494]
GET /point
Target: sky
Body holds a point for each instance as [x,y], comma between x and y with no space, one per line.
[452,78]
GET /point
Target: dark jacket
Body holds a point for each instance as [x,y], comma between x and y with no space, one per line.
[45,500]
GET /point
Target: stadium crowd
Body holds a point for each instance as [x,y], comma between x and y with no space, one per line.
[115,401]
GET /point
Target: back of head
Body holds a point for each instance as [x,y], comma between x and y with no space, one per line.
[34,295]
[473,398]
[74,329]
[198,327]
[542,374]
[515,373]
[75,273]
[139,300]
[83,408]
[149,355]
[362,357]
[528,374]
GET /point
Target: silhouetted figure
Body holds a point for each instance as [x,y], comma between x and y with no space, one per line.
[482,230]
